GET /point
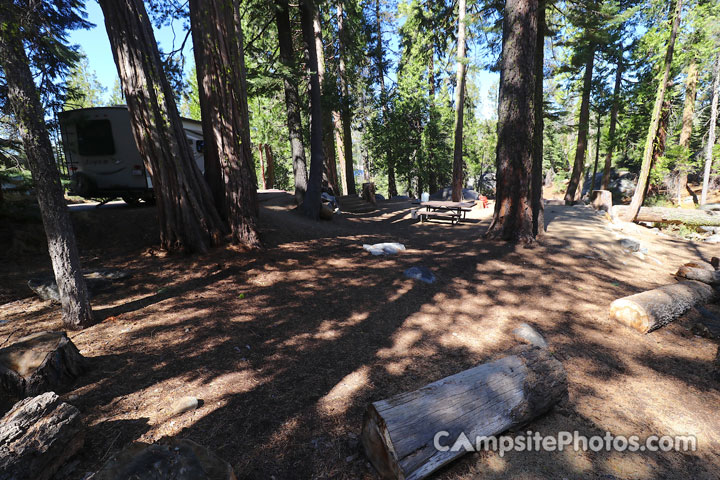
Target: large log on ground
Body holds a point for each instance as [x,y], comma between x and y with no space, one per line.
[172,459]
[655,308]
[38,363]
[671,215]
[37,436]
[711,277]
[399,433]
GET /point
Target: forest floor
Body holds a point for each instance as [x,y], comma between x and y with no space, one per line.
[285,347]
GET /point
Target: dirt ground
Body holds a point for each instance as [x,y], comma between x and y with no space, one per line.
[285,347]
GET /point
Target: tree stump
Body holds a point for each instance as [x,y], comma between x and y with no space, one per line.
[168,460]
[655,308]
[37,436]
[368,192]
[601,200]
[398,434]
[39,363]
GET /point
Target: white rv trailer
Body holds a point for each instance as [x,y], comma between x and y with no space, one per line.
[102,158]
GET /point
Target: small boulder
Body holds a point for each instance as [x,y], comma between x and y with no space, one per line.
[184,404]
[420,273]
[96,280]
[630,244]
[169,459]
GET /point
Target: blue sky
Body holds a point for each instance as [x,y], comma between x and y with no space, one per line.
[96,46]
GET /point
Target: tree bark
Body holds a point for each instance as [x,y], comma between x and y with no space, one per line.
[380,65]
[457,182]
[653,309]
[711,277]
[270,161]
[261,152]
[597,154]
[613,123]
[311,204]
[292,100]
[689,107]
[513,218]
[218,38]
[345,103]
[711,131]
[639,195]
[583,127]
[28,113]
[37,436]
[681,170]
[671,215]
[330,169]
[400,434]
[538,209]
[189,221]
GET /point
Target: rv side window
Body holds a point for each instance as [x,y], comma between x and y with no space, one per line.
[95,138]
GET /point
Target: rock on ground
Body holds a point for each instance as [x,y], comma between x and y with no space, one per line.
[171,459]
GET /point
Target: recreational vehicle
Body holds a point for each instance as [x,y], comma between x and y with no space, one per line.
[102,158]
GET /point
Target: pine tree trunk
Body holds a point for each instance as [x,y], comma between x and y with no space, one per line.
[330,169]
[432,174]
[457,181]
[711,131]
[28,114]
[218,38]
[270,160]
[292,100]
[340,144]
[345,107]
[613,123]
[538,210]
[311,204]
[583,127]
[681,170]
[392,187]
[513,218]
[189,221]
[597,154]
[639,195]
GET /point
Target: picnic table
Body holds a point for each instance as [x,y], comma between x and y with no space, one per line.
[440,209]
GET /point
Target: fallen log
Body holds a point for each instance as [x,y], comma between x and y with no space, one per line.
[399,434]
[711,277]
[700,264]
[671,215]
[171,459]
[38,363]
[655,308]
[37,436]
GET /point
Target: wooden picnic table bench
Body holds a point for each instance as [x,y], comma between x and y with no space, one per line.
[453,211]
[460,208]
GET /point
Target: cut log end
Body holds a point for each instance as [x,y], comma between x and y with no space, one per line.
[650,310]
[378,446]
